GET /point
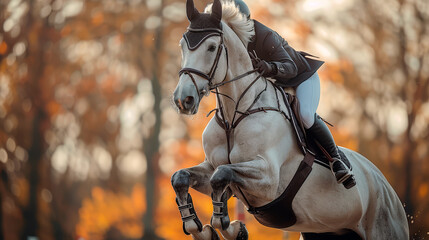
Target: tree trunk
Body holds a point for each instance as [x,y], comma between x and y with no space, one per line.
[34,162]
[3,173]
[36,63]
[151,144]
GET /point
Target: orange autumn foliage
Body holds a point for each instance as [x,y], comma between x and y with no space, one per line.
[97,18]
[344,138]
[3,48]
[334,71]
[303,29]
[106,209]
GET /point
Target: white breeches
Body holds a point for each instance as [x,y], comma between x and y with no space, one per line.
[308,94]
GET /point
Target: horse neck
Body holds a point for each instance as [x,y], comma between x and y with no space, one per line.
[239,63]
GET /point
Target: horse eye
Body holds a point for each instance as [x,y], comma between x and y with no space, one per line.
[212,48]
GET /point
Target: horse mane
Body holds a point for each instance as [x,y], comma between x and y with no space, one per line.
[238,22]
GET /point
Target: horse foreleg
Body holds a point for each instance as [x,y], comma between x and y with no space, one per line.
[220,181]
[198,178]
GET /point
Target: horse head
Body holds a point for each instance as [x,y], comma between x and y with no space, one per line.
[204,57]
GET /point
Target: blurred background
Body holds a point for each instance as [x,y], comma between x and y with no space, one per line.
[89,137]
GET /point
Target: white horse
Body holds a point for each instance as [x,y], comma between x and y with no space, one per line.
[261,156]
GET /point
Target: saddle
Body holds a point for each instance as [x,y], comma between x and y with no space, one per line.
[279,212]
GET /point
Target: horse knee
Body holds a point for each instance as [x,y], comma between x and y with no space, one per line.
[221,178]
[180,180]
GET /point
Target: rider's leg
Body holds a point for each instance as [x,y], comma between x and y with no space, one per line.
[308,94]
[321,133]
[198,178]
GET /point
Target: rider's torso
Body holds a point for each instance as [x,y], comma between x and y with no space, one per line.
[272,47]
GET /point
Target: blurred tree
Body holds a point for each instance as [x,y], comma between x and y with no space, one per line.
[25,37]
[385,56]
[40,123]
[377,57]
[151,142]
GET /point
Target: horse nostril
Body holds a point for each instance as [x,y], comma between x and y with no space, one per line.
[178,103]
[188,102]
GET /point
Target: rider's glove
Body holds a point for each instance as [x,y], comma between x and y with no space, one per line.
[267,69]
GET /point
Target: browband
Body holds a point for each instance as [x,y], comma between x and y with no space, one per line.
[205,30]
[192,45]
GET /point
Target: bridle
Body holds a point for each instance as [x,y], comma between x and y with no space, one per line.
[210,75]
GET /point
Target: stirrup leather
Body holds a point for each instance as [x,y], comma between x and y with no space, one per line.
[193,215]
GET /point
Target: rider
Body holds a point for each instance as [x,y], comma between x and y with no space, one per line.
[276,59]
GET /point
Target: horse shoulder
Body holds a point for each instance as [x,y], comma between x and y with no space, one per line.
[262,135]
[262,130]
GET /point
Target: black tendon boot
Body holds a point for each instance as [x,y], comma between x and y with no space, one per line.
[323,135]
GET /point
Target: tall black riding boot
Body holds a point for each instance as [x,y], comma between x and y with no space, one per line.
[323,135]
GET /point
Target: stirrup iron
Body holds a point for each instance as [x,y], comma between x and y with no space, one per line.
[346,175]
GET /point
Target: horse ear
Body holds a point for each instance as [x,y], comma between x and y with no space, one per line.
[191,11]
[217,10]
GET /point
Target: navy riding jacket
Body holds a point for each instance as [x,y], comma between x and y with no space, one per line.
[291,67]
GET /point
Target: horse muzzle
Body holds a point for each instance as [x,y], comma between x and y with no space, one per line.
[186,103]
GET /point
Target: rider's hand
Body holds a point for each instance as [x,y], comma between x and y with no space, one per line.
[261,66]
[265,68]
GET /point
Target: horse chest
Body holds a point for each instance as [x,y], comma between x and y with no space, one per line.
[219,153]
[216,146]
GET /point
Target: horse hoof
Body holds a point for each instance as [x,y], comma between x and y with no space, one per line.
[215,236]
[242,234]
